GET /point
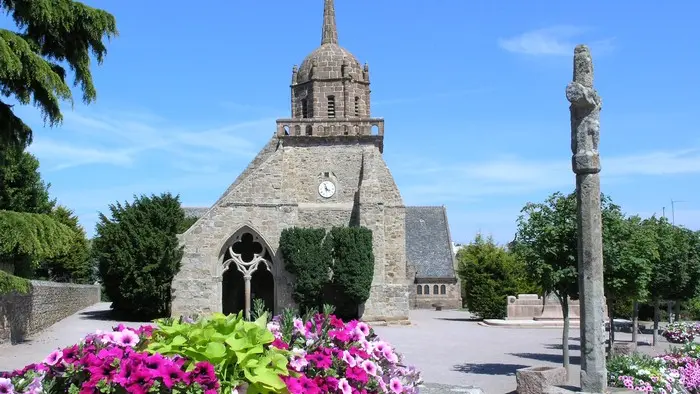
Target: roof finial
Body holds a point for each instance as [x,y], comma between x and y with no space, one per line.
[330,31]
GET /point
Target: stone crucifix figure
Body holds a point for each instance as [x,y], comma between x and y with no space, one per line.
[585,134]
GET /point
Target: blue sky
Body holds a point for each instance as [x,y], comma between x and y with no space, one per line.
[473,94]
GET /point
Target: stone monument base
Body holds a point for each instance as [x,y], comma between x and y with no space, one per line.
[534,380]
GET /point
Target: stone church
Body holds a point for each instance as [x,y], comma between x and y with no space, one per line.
[323,167]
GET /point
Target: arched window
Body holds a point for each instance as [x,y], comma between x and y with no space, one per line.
[331,106]
[419,289]
[443,289]
[426,289]
[304,108]
[297,130]
[309,130]
[357,106]
[436,289]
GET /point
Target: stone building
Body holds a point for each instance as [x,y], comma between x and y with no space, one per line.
[323,167]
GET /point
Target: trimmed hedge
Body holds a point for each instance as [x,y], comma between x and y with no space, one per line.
[307,255]
[313,256]
[10,283]
[353,268]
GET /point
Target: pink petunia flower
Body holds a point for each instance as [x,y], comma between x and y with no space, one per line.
[53,357]
[349,359]
[126,338]
[395,385]
[369,367]
[344,386]
[6,386]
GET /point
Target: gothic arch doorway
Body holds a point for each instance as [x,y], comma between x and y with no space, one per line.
[247,261]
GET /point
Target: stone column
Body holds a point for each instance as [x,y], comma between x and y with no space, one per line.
[246,279]
[585,133]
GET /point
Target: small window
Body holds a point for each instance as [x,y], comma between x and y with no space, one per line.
[309,130]
[331,106]
[443,289]
[304,109]
[419,289]
[436,289]
[426,289]
[297,130]
[357,106]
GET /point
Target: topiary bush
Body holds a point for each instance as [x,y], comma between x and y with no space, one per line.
[353,268]
[138,254]
[307,256]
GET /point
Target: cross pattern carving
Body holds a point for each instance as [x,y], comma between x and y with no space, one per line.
[247,254]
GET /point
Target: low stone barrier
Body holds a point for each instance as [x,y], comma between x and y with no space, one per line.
[22,315]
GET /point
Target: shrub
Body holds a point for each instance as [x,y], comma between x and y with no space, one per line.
[138,254]
[330,356]
[239,350]
[13,284]
[489,275]
[307,256]
[353,268]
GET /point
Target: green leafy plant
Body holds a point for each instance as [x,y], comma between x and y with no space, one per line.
[259,309]
[10,283]
[239,350]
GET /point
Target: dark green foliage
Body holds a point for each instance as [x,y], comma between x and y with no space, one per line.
[489,274]
[138,254]
[10,283]
[353,268]
[307,256]
[75,265]
[22,189]
[36,235]
[52,34]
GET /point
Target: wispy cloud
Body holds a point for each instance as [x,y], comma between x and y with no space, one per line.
[433,182]
[553,41]
[123,138]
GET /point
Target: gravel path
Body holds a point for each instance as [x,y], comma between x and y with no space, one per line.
[448,347]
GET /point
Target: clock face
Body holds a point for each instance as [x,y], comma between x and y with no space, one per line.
[326,189]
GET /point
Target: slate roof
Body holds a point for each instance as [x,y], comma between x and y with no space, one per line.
[428,243]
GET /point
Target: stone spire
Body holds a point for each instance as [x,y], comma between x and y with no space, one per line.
[585,134]
[330,30]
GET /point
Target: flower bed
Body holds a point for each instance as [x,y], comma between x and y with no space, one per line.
[675,372]
[223,354]
[681,332]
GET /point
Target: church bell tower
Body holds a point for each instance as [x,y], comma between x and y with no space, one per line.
[330,91]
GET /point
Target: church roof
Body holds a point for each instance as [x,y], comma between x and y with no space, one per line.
[428,243]
[195,212]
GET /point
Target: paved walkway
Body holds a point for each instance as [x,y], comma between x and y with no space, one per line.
[446,346]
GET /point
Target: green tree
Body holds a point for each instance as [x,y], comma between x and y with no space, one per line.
[75,265]
[307,256]
[138,254]
[28,238]
[670,274]
[628,248]
[546,240]
[52,35]
[353,269]
[22,189]
[489,274]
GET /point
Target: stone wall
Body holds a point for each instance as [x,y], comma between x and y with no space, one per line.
[450,300]
[46,304]
[530,306]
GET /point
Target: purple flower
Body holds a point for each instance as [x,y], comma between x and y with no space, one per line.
[395,385]
[53,357]
[6,386]
[126,338]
